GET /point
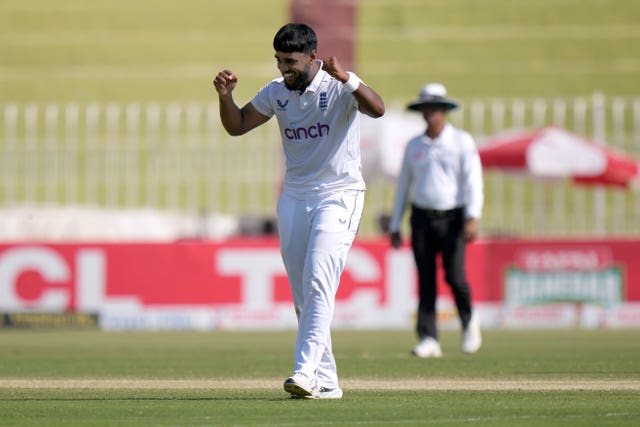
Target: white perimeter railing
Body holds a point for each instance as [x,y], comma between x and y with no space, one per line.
[175,157]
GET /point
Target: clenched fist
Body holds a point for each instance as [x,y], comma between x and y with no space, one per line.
[333,67]
[225,82]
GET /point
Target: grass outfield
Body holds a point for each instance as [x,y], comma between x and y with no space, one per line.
[144,51]
[120,50]
[562,378]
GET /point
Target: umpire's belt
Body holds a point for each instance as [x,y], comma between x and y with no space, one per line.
[434,213]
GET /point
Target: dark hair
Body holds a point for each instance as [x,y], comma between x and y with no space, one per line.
[295,38]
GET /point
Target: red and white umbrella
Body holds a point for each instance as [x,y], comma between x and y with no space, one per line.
[553,152]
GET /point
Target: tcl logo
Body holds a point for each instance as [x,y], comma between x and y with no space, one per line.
[247,282]
[54,275]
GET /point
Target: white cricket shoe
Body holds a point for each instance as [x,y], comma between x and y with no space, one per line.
[428,347]
[471,336]
[301,386]
[329,393]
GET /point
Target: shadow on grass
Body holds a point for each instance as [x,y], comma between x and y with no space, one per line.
[143,399]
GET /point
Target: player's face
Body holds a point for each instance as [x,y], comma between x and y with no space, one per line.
[295,68]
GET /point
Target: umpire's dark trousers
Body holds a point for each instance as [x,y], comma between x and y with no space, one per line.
[434,232]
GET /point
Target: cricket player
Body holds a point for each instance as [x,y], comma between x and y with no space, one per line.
[317,105]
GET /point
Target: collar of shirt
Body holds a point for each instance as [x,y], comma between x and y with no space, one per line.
[317,79]
[443,137]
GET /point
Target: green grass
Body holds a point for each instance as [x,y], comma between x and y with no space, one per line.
[259,408]
[133,50]
[508,357]
[146,51]
[149,50]
[501,47]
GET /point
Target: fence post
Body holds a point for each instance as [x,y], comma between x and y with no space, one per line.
[579,126]
[193,161]
[30,155]
[598,132]
[539,120]
[171,157]
[497,125]
[151,155]
[131,156]
[558,117]
[618,107]
[50,153]
[111,176]
[10,154]
[92,163]
[213,162]
[518,111]
[71,172]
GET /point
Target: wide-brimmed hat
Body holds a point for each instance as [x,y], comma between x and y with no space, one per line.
[433,94]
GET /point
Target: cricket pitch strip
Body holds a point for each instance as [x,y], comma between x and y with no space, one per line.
[436,384]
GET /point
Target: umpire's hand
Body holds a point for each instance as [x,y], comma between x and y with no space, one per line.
[470,230]
[396,239]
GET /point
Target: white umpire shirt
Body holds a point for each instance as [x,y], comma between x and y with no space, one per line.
[320,131]
[441,174]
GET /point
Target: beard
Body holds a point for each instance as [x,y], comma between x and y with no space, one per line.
[301,81]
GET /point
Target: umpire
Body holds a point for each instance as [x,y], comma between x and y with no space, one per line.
[442,175]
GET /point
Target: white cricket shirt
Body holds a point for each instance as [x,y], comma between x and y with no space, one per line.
[320,131]
[442,173]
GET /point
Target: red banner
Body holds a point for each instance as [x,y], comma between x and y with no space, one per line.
[242,284]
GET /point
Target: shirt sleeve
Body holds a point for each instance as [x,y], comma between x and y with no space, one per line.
[403,185]
[473,180]
[262,101]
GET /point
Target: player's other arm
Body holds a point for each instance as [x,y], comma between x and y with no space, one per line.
[369,102]
[236,120]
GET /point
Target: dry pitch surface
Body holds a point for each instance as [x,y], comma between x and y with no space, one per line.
[436,384]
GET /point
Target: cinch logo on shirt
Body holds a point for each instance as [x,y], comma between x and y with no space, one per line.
[316,131]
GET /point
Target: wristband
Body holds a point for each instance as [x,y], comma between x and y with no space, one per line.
[352,84]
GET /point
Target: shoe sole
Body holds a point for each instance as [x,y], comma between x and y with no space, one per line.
[331,395]
[297,392]
[472,350]
[426,356]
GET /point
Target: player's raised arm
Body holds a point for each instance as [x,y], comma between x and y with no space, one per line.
[236,121]
[369,102]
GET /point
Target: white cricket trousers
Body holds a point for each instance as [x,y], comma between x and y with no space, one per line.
[315,237]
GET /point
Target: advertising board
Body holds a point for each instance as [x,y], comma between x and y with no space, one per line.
[241,284]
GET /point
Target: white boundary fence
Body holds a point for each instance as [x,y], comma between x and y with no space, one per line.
[175,157]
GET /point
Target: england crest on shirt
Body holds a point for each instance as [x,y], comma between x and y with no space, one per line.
[323,103]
